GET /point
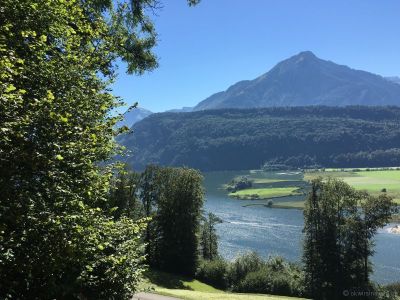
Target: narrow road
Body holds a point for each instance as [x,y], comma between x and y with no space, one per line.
[150,296]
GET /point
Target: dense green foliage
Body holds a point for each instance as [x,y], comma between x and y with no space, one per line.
[123,199]
[148,195]
[393,289]
[59,238]
[275,276]
[240,183]
[213,272]
[243,265]
[249,273]
[178,220]
[173,198]
[208,237]
[340,224]
[233,139]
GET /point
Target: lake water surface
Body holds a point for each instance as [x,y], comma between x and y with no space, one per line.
[277,231]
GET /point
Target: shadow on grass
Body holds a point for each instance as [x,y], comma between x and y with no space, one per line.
[167,280]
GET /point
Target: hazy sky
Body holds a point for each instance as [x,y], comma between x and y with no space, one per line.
[207,48]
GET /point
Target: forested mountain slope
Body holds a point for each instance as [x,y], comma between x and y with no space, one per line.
[234,139]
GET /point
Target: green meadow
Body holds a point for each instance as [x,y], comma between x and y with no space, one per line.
[192,289]
[196,295]
[267,180]
[373,181]
[289,204]
[266,193]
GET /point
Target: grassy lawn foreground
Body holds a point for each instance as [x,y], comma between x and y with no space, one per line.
[196,295]
[192,289]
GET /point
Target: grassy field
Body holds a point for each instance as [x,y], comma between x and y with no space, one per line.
[260,182]
[196,295]
[372,181]
[266,193]
[289,204]
[361,169]
[192,289]
[267,180]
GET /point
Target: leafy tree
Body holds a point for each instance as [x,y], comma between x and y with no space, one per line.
[173,199]
[123,200]
[340,223]
[148,189]
[208,237]
[149,195]
[56,63]
[178,216]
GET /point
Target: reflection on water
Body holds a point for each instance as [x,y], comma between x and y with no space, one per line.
[279,231]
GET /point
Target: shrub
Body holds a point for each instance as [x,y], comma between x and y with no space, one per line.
[213,272]
[276,276]
[112,255]
[244,264]
[254,282]
[75,256]
[277,263]
[393,289]
[249,273]
[265,281]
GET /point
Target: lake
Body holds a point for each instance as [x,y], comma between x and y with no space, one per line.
[274,231]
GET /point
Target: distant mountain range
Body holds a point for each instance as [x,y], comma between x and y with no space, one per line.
[303,80]
[183,109]
[133,116]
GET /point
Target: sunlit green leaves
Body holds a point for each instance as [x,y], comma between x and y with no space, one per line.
[57,60]
[50,95]
[55,129]
[10,88]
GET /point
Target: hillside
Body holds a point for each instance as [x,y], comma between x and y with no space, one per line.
[305,79]
[234,139]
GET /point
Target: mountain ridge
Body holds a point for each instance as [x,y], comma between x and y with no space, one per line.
[131,117]
[304,79]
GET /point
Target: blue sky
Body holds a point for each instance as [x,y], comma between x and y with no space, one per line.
[205,49]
